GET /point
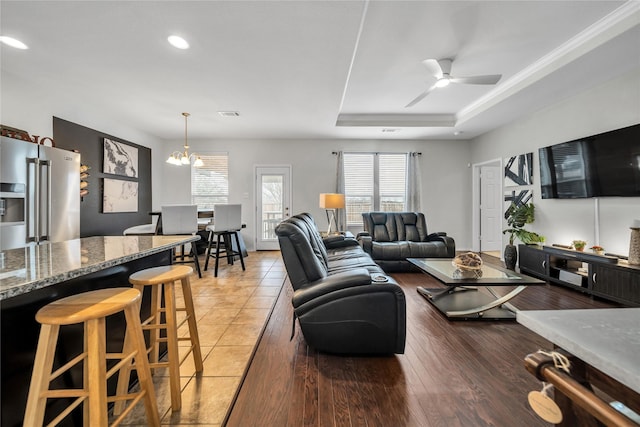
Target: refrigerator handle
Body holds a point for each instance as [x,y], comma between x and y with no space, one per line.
[31,220]
[45,234]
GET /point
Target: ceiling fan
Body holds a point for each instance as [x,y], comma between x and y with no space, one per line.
[441,70]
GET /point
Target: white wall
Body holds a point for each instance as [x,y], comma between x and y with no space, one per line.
[445,189]
[613,105]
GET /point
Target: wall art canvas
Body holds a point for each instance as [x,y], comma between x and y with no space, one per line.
[120,196]
[518,170]
[120,159]
[519,197]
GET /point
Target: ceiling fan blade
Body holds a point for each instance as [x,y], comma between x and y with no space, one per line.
[433,67]
[420,97]
[478,80]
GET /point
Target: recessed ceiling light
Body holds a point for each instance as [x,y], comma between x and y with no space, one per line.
[10,41]
[458,132]
[229,113]
[179,42]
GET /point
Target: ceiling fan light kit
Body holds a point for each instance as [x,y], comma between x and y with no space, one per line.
[441,70]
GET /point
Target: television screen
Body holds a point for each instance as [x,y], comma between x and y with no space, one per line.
[603,165]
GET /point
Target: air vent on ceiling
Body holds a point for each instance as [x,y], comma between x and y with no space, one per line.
[229,113]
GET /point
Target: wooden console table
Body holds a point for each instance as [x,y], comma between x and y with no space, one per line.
[602,276]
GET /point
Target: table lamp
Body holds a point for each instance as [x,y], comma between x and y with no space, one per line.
[330,202]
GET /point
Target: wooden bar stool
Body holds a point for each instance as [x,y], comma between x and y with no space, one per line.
[91,309]
[163,279]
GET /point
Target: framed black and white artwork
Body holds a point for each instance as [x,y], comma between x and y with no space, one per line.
[120,159]
[518,170]
[119,196]
[519,197]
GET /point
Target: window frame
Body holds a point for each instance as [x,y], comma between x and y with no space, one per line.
[217,198]
[376,185]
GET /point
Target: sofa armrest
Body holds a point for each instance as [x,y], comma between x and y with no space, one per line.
[347,279]
[366,241]
[448,241]
[435,236]
[338,241]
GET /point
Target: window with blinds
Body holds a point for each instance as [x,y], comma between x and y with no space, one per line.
[374,182]
[210,182]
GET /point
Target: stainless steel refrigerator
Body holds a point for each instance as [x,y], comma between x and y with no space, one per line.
[39,194]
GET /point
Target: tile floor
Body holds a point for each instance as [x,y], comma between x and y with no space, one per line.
[231,311]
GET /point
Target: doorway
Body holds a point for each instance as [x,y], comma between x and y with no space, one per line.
[273,202]
[487,207]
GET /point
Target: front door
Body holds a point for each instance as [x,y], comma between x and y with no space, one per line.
[273,198]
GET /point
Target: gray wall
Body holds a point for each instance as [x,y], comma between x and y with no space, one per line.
[613,105]
[445,175]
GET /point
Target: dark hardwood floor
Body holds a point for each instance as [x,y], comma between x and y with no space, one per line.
[453,373]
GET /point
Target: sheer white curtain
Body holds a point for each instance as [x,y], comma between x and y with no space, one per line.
[341,214]
[414,183]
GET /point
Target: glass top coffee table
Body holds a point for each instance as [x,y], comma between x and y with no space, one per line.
[461,298]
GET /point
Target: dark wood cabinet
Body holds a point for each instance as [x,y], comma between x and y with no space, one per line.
[533,261]
[597,275]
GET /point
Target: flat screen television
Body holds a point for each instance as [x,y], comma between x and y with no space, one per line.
[603,165]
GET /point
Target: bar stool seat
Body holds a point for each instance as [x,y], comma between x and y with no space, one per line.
[163,281]
[91,309]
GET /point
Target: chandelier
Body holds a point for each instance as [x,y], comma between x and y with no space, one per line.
[180,158]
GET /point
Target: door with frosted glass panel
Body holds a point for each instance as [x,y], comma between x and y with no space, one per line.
[273,193]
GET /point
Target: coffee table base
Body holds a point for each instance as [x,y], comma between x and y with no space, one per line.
[465,303]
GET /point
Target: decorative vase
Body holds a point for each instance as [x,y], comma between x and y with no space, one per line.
[510,257]
[634,246]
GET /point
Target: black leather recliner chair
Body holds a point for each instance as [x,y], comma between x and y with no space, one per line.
[340,306]
[392,237]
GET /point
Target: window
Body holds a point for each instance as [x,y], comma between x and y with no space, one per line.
[374,182]
[210,182]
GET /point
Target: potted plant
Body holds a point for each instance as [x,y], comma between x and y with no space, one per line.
[579,245]
[518,215]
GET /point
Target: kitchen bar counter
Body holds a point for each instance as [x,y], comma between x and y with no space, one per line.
[27,269]
[607,339]
[603,382]
[32,277]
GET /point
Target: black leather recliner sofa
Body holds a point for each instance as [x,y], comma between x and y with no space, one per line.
[340,306]
[392,237]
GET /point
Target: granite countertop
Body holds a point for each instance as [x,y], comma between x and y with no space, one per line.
[37,266]
[607,339]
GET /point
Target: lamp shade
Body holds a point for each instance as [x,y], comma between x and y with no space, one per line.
[331,201]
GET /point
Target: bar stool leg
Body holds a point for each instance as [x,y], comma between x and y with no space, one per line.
[208,253]
[156,313]
[191,320]
[34,414]
[134,329]
[235,234]
[172,345]
[215,272]
[96,366]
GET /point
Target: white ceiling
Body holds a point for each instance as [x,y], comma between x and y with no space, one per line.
[317,69]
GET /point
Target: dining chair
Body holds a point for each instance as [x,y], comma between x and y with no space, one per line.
[182,219]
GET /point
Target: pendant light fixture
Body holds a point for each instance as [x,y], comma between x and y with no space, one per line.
[180,158]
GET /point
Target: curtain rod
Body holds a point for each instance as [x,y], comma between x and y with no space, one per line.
[413,153]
